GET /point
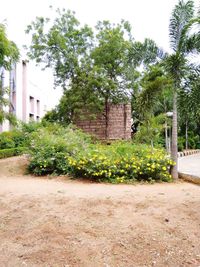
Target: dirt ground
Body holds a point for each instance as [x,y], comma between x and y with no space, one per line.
[58,222]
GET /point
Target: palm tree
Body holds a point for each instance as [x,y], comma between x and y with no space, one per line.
[183,42]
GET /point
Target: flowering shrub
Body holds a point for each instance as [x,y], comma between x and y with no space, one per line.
[59,150]
[122,162]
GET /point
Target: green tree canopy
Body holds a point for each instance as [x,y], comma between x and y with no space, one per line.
[93,67]
[9,54]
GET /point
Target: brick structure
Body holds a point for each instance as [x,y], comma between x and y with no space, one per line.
[118,123]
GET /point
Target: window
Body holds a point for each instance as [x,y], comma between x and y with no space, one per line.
[31,100]
[38,108]
[31,117]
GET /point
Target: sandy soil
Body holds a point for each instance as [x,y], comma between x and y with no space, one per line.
[63,223]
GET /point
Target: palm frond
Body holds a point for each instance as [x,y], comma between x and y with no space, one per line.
[152,51]
[145,53]
[153,84]
[190,39]
[174,64]
[192,44]
[181,15]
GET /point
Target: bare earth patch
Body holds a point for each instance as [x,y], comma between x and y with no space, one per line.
[59,222]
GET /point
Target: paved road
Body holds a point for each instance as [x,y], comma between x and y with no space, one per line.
[190,165]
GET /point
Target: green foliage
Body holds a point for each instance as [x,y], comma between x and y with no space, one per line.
[56,116]
[12,139]
[4,115]
[193,141]
[59,150]
[160,88]
[9,52]
[62,46]
[189,107]
[111,55]
[122,162]
[92,68]
[30,127]
[50,147]
[89,67]
[10,152]
[95,68]
[183,33]
[6,140]
[150,131]
[19,136]
[155,96]
[181,143]
[145,53]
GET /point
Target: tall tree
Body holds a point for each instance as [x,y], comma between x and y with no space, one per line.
[183,42]
[188,104]
[62,45]
[93,69]
[154,100]
[90,68]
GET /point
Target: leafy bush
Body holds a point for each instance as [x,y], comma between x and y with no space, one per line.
[50,147]
[10,152]
[12,139]
[181,143]
[151,131]
[6,140]
[193,141]
[30,127]
[19,136]
[122,162]
[59,150]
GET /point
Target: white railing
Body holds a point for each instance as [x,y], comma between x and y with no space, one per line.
[188,152]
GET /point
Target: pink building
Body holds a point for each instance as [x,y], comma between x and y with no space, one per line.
[27,100]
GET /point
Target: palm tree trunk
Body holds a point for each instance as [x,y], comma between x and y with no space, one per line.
[174,149]
[166,138]
[186,134]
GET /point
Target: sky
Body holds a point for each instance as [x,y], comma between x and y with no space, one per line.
[149,18]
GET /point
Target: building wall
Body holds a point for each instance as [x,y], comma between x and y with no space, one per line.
[27,100]
[119,123]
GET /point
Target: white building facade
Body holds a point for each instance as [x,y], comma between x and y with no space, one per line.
[27,100]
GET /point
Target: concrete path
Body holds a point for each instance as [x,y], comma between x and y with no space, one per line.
[189,167]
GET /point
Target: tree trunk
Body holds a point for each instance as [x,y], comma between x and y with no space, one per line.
[186,134]
[166,138]
[151,143]
[174,148]
[166,131]
[106,117]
